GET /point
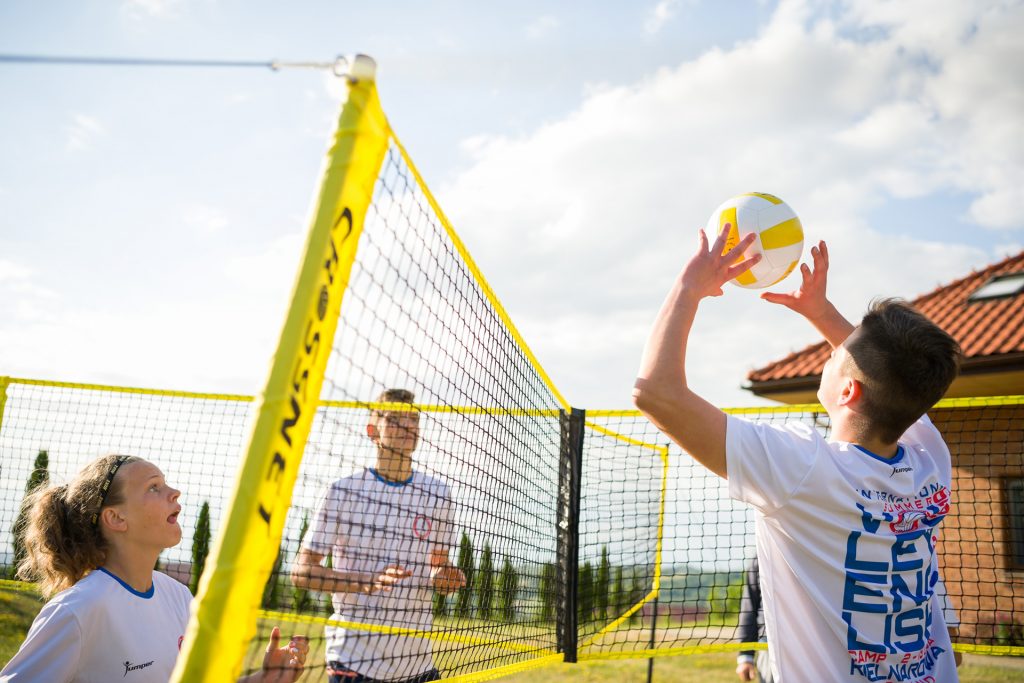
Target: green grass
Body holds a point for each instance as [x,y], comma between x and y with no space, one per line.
[17,609]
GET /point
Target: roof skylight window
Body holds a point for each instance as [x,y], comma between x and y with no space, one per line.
[999,286]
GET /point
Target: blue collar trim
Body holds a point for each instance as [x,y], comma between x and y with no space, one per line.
[889,461]
[145,596]
[387,481]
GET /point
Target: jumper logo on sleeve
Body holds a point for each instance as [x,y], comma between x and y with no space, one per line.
[890,581]
[129,667]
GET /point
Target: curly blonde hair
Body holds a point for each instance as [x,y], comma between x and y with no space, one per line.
[62,544]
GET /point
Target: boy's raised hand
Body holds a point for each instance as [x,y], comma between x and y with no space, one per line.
[809,300]
[709,269]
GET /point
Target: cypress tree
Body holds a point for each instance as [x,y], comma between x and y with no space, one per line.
[485,584]
[585,600]
[440,608]
[636,592]
[301,599]
[602,584]
[464,599]
[272,590]
[619,602]
[39,476]
[547,592]
[200,546]
[509,590]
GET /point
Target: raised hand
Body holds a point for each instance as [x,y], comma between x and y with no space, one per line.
[283,664]
[709,268]
[810,299]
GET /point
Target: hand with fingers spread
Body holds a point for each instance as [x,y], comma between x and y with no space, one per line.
[710,268]
[281,664]
[810,299]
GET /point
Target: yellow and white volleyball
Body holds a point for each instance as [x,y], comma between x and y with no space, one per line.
[780,237]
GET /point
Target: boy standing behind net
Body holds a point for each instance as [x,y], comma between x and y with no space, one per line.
[844,527]
[388,532]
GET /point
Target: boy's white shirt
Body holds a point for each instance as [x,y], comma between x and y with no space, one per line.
[366,524]
[100,631]
[837,528]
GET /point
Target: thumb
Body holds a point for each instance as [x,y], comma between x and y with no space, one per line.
[275,639]
[775,298]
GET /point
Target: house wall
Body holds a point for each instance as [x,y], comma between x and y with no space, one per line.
[987,445]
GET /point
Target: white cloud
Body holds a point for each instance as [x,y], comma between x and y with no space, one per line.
[159,9]
[582,225]
[660,15]
[83,131]
[209,219]
[12,272]
[542,27]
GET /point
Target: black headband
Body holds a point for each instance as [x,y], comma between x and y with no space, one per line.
[105,489]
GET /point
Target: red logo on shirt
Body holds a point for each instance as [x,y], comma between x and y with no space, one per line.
[421,526]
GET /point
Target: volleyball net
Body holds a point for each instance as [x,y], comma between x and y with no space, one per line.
[523,531]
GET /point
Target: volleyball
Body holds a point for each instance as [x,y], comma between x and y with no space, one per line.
[780,237]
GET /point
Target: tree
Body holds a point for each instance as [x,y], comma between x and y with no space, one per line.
[464,599]
[619,593]
[509,583]
[440,605]
[547,591]
[636,592]
[301,599]
[272,589]
[485,584]
[602,584]
[39,476]
[200,546]
[585,593]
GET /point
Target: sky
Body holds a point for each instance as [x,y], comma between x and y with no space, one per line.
[152,218]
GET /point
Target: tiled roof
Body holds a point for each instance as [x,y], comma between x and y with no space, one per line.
[984,328]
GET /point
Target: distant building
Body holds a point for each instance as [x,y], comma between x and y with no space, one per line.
[982,544]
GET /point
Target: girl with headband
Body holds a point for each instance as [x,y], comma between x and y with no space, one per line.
[91,546]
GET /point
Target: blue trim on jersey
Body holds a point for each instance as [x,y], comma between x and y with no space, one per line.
[894,459]
[388,482]
[145,596]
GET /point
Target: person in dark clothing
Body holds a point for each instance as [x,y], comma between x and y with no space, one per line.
[751,630]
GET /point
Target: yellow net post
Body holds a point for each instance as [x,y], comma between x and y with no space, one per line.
[224,614]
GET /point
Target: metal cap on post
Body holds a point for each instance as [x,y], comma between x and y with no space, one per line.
[356,68]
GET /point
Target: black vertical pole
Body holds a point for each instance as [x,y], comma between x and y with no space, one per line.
[654,631]
[570,468]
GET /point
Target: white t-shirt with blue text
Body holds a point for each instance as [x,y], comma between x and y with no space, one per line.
[845,541]
[101,630]
[366,523]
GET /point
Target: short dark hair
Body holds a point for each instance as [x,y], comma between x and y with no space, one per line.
[394,396]
[906,363]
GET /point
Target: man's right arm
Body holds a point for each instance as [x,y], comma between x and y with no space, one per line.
[309,573]
[661,391]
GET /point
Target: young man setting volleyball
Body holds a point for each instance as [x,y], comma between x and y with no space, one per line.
[844,526]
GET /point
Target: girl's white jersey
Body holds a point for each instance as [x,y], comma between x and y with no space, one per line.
[846,545]
[100,630]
